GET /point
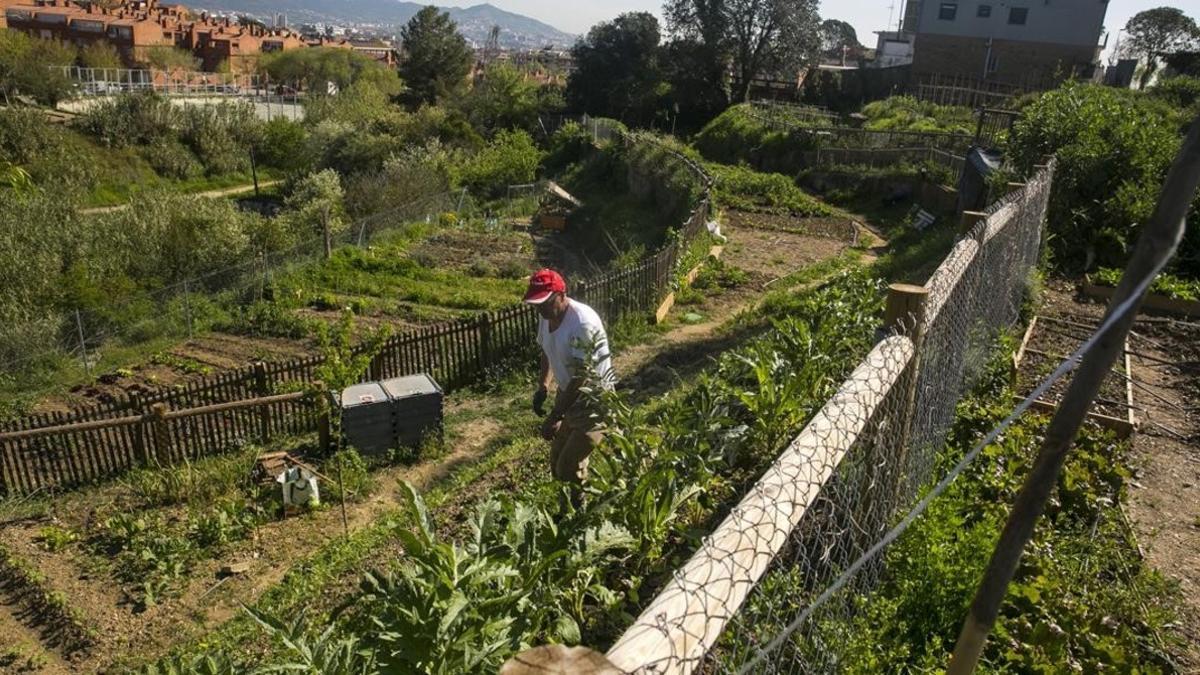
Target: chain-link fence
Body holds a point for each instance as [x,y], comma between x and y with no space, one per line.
[185,308]
[761,591]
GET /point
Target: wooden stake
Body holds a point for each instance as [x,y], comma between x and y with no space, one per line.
[1155,246]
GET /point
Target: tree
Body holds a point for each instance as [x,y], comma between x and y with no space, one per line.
[760,37]
[838,37]
[436,57]
[698,92]
[34,67]
[1163,30]
[317,204]
[617,72]
[503,98]
[165,57]
[100,55]
[312,69]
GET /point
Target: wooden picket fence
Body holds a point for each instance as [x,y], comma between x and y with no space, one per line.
[226,410]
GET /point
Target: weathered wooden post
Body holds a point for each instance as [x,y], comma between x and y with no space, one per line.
[261,389]
[324,406]
[139,432]
[904,314]
[559,660]
[161,434]
[968,220]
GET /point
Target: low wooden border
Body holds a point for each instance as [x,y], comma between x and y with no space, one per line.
[668,302]
[1122,427]
[1159,303]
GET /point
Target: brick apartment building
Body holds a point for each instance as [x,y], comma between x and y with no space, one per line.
[134,26]
[1031,44]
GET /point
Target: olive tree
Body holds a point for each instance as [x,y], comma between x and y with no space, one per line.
[317,204]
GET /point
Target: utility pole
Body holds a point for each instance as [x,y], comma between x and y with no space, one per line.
[1155,247]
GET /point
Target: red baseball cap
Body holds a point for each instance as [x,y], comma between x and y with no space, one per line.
[542,285]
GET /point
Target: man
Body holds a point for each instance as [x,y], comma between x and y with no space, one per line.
[575,353]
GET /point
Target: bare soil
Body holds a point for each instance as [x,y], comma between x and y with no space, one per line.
[769,246]
[462,250]
[1053,340]
[1164,500]
[184,362]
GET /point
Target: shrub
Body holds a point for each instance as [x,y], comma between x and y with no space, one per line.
[737,136]
[511,158]
[1181,92]
[220,135]
[1114,148]
[351,477]
[282,144]
[740,187]
[906,113]
[568,145]
[132,120]
[171,159]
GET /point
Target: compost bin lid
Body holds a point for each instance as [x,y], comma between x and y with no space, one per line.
[357,395]
[413,385]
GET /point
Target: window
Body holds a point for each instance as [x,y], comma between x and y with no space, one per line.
[947,11]
[984,11]
[993,64]
[1017,16]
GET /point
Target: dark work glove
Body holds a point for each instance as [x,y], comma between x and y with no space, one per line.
[539,401]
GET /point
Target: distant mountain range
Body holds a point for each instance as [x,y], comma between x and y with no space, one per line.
[475,23]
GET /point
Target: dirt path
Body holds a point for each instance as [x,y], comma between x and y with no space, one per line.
[1164,500]
[223,192]
[23,649]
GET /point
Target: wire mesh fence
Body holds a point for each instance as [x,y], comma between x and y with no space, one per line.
[185,308]
[772,589]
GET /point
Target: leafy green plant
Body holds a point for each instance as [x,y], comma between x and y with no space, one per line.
[1172,286]
[354,476]
[1113,149]
[55,538]
[740,187]
[221,523]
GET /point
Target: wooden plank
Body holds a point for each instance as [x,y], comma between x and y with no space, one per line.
[1121,427]
[1020,353]
[1159,303]
[680,625]
[664,309]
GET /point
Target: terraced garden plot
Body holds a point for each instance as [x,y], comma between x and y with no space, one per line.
[1048,342]
[771,246]
[411,277]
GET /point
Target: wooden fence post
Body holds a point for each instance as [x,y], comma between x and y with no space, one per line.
[324,426]
[485,342]
[139,435]
[161,434]
[968,220]
[905,315]
[559,660]
[262,388]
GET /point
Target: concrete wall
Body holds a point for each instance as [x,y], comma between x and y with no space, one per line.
[1067,22]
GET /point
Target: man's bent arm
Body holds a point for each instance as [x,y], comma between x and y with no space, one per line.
[566,398]
[544,372]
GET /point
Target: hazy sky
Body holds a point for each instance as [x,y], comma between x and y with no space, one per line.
[867,16]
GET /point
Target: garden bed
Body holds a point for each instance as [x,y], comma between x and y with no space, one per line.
[1047,342]
[1153,301]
